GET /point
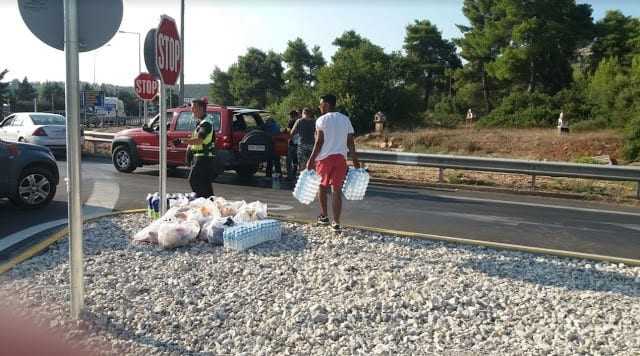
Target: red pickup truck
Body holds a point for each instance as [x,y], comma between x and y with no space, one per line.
[241,143]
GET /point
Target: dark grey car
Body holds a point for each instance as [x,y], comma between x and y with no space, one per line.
[28,174]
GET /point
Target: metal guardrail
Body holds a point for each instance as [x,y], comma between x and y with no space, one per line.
[483,164]
[532,168]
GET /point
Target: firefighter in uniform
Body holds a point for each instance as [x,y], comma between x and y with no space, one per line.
[202,150]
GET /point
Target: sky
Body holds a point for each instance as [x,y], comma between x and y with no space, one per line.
[218,31]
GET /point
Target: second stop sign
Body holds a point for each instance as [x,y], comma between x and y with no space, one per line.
[146,86]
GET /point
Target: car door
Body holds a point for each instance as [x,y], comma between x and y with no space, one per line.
[5,127]
[185,124]
[5,157]
[15,132]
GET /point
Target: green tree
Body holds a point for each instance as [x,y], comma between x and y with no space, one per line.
[480,45]
[219,89]
[350,40]
[130,100]
[543,38]
[52,94]
[298,60]
[364,80]
[616,36]
[4,89]
[25,91]
[429,58]
[614,90]
[256,79]
[315,64]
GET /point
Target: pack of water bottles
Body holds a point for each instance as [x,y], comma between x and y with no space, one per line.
[173,199]
[247,235]
[307,186]
[355,184]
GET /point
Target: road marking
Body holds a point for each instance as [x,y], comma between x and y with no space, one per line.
[537,205]
[105,194]
[278,207]
[22,235]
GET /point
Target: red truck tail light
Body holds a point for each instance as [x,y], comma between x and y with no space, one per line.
[226,142]
[39,132]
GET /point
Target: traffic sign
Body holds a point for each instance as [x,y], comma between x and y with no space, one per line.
[168,44]
[150,53]
[98,21]
[146,86]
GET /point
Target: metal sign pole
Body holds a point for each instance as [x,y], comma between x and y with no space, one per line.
[71,49]
[144,116]
[163,149]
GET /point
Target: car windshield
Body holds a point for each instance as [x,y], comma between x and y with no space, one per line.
[43,119]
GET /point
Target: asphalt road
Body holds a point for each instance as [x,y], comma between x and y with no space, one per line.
[523,220]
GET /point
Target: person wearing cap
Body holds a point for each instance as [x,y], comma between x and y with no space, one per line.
[202,148]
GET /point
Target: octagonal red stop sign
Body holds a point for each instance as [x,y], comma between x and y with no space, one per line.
[168,45]
[145,86]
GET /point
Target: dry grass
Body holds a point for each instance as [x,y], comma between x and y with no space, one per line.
[535,144]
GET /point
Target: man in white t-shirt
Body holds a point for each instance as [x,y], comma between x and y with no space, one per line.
[334,139]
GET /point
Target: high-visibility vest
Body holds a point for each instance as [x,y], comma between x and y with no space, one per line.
[207,148]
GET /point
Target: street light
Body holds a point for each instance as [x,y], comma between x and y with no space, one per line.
[139,68]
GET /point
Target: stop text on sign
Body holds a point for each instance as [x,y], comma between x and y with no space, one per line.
[168,53]
[147,87]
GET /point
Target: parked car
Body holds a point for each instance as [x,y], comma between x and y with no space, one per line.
[241,143]
[42,129]
[29,174]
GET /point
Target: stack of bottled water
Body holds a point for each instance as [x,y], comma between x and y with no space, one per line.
[173,199]
[244,236]
[307,186]
[355,185]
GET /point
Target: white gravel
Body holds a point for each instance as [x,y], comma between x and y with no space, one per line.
[316,294]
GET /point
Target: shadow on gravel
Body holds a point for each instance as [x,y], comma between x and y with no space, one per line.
[123,332]
[553,274]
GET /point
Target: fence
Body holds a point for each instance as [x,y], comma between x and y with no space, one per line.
[101,121]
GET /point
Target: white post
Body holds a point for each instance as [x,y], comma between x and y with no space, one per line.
[163,149]
[35,104]
[72,89]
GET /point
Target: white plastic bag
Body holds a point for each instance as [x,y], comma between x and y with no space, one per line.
[148,234]
[213,230]
[207,208]
[251,212]
[231,208]
[174,234]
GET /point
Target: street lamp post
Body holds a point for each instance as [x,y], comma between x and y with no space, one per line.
[139,68]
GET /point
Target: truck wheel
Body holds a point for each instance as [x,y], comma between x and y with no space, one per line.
[123,159]
[247,170]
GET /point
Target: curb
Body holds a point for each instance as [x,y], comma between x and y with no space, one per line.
[53,238]
[59,234]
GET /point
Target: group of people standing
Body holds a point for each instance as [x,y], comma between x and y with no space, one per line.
[316,144]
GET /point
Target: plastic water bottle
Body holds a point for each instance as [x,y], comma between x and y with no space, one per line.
[155,204]
[245,236]
[307,186]
[149,205]
[275,182]
[356,183]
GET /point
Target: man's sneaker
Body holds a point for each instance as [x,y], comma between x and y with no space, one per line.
[336,228]
[323,220]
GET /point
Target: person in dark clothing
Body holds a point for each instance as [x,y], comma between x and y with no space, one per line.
[272,128]
[292,149]
[305,129]
[202,148]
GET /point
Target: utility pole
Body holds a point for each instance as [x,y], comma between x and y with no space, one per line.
[181,95]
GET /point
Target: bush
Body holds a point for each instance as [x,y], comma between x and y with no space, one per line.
[632,140]
[445,114]
[298,99]
[522,110]
[590,125]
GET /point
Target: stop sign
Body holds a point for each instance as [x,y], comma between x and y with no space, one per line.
[167,53]
[145,86]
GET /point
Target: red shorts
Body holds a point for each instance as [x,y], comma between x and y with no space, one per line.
[332,171]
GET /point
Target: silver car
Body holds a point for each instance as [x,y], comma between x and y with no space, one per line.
[41,129]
